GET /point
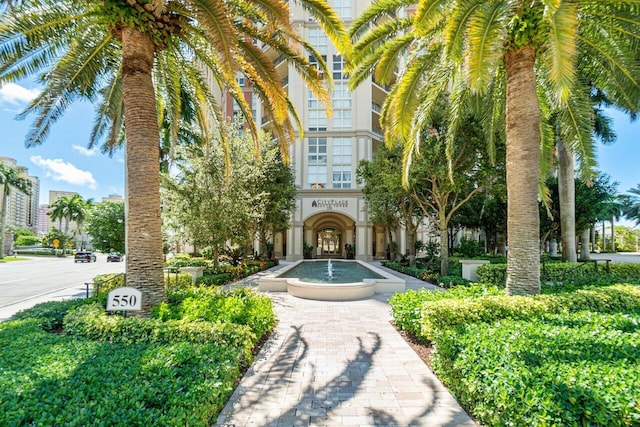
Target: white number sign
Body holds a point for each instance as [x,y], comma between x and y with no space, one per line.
[124,299]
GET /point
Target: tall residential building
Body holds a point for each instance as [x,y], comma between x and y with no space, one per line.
[330,208]
[43,220]
[22,209]
[331,211]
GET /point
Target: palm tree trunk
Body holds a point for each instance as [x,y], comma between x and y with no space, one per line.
[444,247]
[143,226]
[523,146]
[613,235]
[567,195]
[584,245]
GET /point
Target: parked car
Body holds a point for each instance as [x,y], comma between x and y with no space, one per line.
[84,256]
[114,257]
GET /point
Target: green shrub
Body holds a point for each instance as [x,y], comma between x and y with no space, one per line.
[61,380]
[215,279]
[242,306]
[92,322]
[406,306]
[564,369]
[448,282]
[439,316]
[105,283]
[185,260]
[470,248]
[568,274]
[494,274]
[49,315]
[178,280]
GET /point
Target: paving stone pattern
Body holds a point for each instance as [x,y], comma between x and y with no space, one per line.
[339,364]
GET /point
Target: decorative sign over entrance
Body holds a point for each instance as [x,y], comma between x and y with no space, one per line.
[329,203]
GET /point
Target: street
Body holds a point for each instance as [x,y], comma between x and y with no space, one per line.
[38,279]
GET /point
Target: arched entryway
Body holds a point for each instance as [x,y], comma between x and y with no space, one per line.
[331,234]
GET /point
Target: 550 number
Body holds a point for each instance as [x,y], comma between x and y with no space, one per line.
[124,298]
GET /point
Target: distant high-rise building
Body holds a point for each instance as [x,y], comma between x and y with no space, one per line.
[53,196]
[22,208]
[43,220]
[113,198]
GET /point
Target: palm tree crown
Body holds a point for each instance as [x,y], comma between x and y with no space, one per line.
[515,60]
[135,58]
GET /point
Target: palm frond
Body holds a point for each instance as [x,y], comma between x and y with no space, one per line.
[560,47]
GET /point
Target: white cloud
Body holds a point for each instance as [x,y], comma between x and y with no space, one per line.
[85,151]
[59,170]
[12,93]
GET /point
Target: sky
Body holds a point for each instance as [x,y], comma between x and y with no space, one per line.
[63,161]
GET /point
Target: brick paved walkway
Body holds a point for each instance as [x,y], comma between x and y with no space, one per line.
[339,364]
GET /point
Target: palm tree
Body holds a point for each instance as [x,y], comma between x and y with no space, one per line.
[632,205]
[516,60]
[10,178]
[118,53]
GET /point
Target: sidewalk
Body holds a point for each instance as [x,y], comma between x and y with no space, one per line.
[339,364]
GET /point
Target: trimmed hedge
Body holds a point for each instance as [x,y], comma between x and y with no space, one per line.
[578,368]
[573,273]
[92,322]
[447,314]
[215,279]
[242,306]
[63,380]
[406,307]
[50,315]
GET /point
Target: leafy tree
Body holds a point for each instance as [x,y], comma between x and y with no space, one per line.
[514,59]
[10,179]
[388,201]
[217,196]
[441,188]
[133,57]
[55,234]
[275,181]
[25,237]
[106,226]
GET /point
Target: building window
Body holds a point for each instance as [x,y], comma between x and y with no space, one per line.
[318,39]
[341,151]
[342,8]
[341,103]
[317,162]
[341,160]
[317,115]
[338,67]
[342,176]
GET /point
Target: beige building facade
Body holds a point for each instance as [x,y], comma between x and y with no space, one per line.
[331,214]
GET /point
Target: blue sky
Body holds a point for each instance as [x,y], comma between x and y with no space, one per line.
[64,163]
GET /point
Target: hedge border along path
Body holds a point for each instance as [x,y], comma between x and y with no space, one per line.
[445,314]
